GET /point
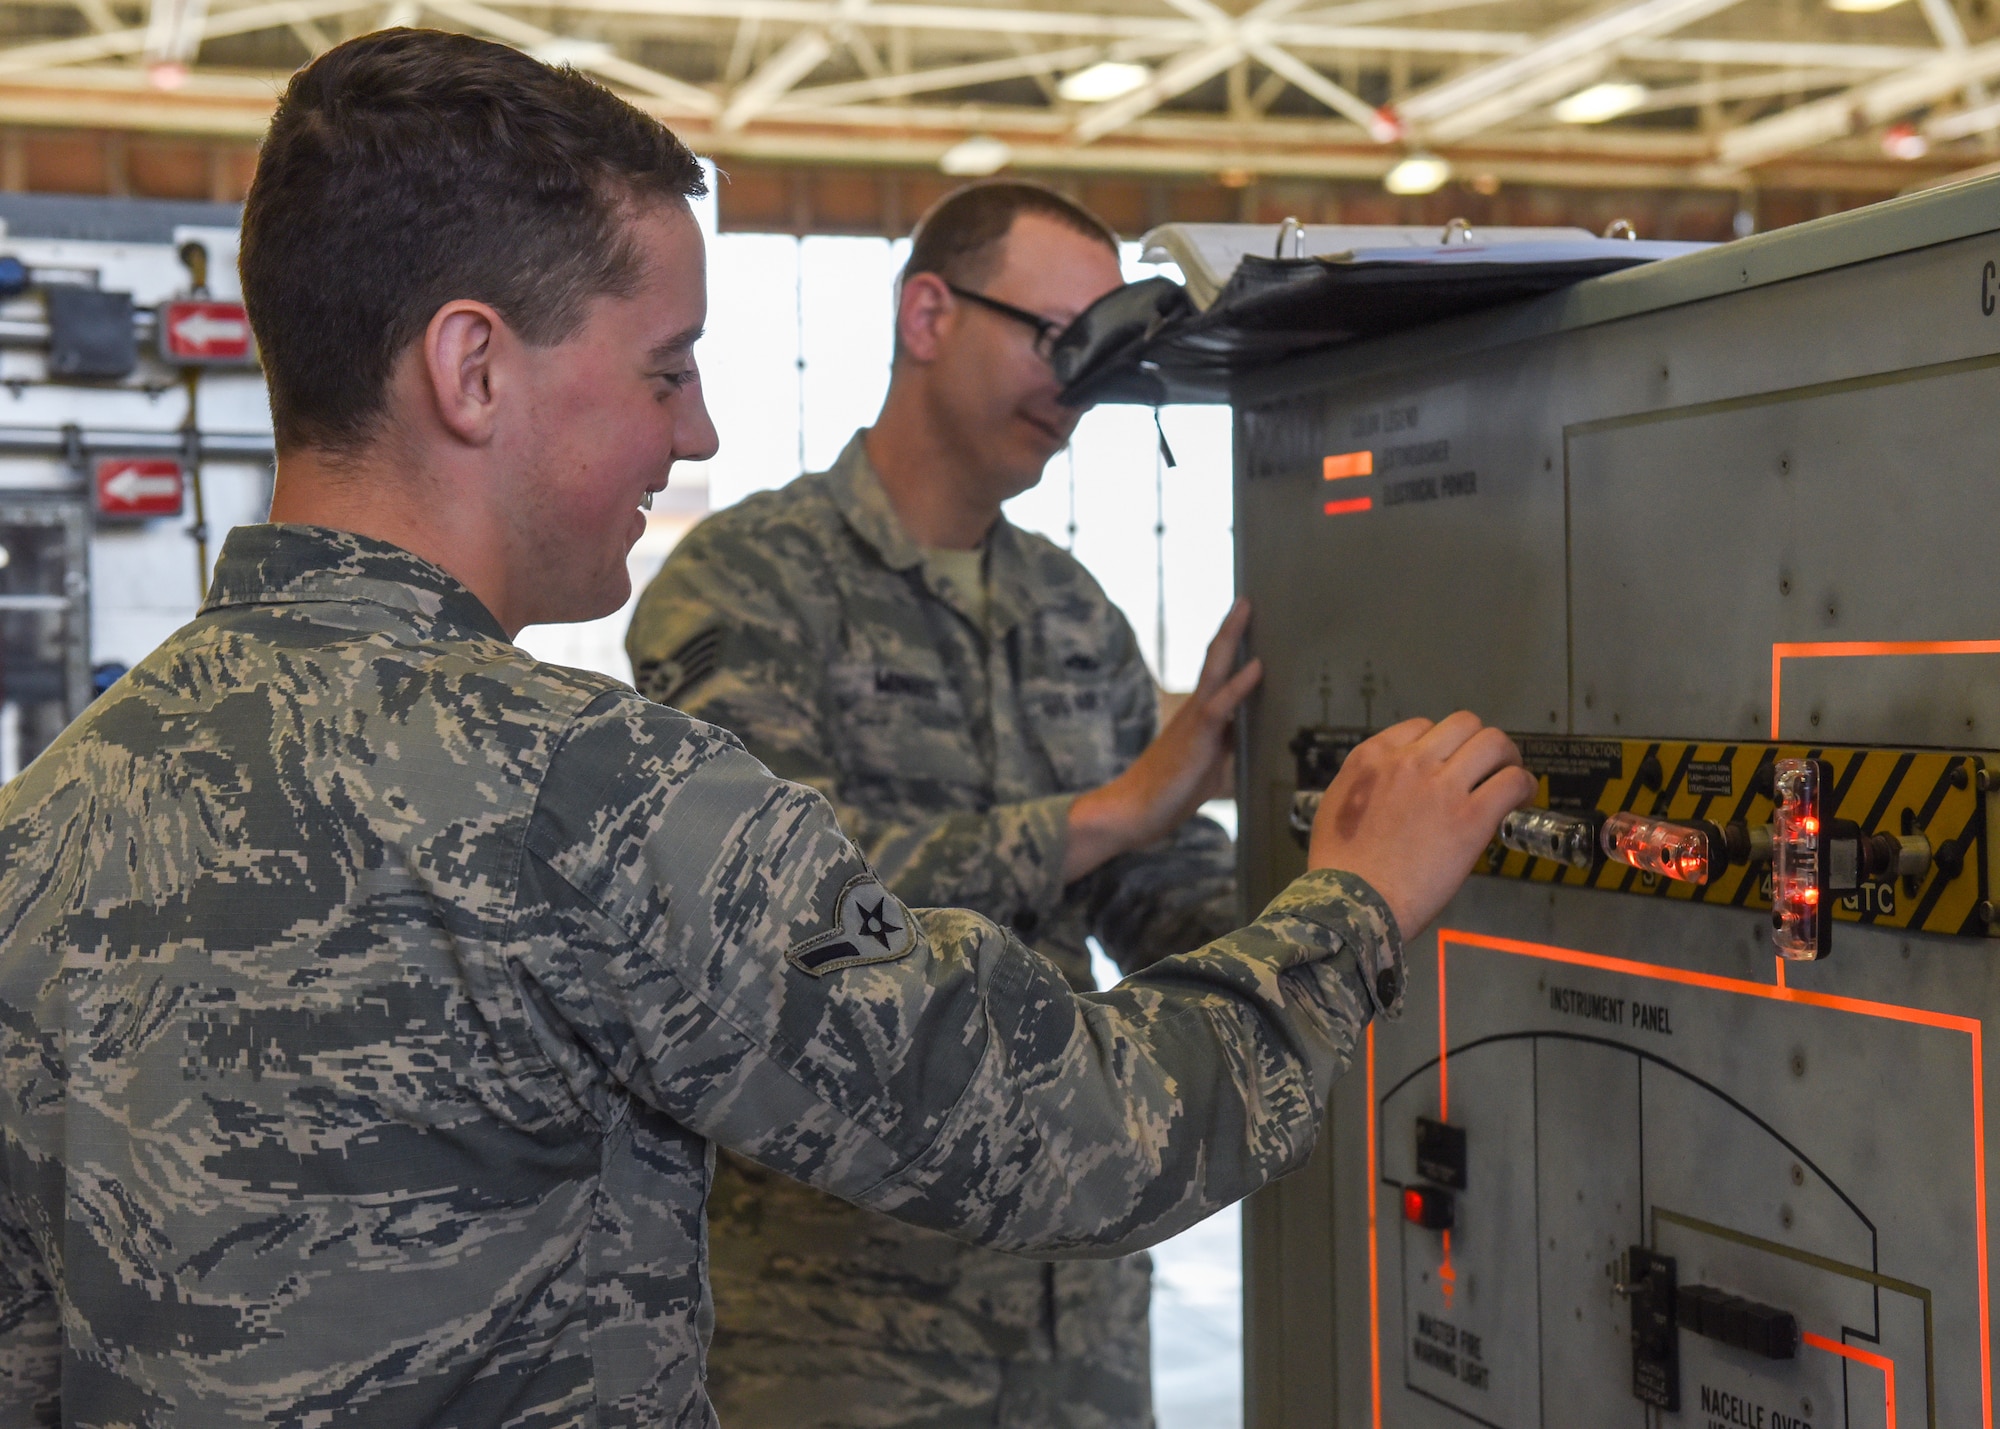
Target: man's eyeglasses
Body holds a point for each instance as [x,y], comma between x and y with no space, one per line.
[1046,330]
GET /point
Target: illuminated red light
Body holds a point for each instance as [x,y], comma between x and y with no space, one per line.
[1429,1206]
[1350,506]
[1798,862]
[1657,846]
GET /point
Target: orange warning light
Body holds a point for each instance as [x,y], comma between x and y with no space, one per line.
[1798,862]
[1657,846]
[1349,464]
[1350,506]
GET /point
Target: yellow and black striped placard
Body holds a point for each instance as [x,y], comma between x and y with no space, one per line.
[1937,793]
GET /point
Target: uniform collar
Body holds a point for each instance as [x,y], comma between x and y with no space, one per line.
[281,564]
[864,504]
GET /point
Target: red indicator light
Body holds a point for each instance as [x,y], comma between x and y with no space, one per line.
[1671,850]
[1347,464]
[1350,506]
[1802,930]
[1429,1207]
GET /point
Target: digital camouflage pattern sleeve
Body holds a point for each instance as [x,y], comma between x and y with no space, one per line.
[926,1064]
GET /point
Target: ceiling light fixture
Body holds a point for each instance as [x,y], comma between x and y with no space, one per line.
[1107,79]
[1601,102]
[1418,174]
[1861,7]
[976,156]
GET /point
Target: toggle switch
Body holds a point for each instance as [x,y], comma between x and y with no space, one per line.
[1441,1153]
[1552,834]
[1430,1207]
[1649,1280]
[1762,1330]
[1685,852]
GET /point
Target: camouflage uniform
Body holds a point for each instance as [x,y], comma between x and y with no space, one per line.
[370,995]
[807,622]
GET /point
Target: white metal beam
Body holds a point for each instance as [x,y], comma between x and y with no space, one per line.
[796,58]
[1963,123]
[686,98]
[1296,33]
[1176,76]
[1565,77]
[1309,80]
[82,49]
[895,86]
[174,30]
[98,16]
[1943,19]
[1509,86]
[1856,109]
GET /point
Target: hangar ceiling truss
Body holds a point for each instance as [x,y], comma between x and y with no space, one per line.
[1703,93]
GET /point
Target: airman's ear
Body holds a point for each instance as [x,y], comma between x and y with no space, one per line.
[459,348]
[925,313]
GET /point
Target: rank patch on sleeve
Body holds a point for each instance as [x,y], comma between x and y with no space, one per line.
[664,681]
[869,926]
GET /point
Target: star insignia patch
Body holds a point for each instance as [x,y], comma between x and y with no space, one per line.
[869,926]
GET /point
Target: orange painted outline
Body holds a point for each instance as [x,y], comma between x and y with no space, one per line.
[1348,507]
[1861,1356]
[1888,1011]
[1822,649]
[1447,1272]
[1374,1244]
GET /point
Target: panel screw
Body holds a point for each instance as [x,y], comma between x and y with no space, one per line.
[1985,913]
[1982,781]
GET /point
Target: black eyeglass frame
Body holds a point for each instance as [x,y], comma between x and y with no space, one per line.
[1047,330]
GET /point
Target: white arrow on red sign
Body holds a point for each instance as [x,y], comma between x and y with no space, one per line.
[204,332]
[139,486]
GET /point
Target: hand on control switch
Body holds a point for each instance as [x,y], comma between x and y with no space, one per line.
[1414,806]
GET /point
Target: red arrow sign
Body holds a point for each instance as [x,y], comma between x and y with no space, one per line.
[204,332]
[138,486]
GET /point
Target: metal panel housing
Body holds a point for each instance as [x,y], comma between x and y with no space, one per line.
[1644,509]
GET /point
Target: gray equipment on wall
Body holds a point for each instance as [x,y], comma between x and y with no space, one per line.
[1714,537]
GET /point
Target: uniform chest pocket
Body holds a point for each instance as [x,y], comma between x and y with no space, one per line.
[900,720]
[1073,716]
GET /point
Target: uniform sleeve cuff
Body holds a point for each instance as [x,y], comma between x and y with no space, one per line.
[1347,905]
[1042,831]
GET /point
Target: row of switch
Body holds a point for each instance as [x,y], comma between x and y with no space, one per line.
[1811,857]
[1746,1325]
[1662,1308]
